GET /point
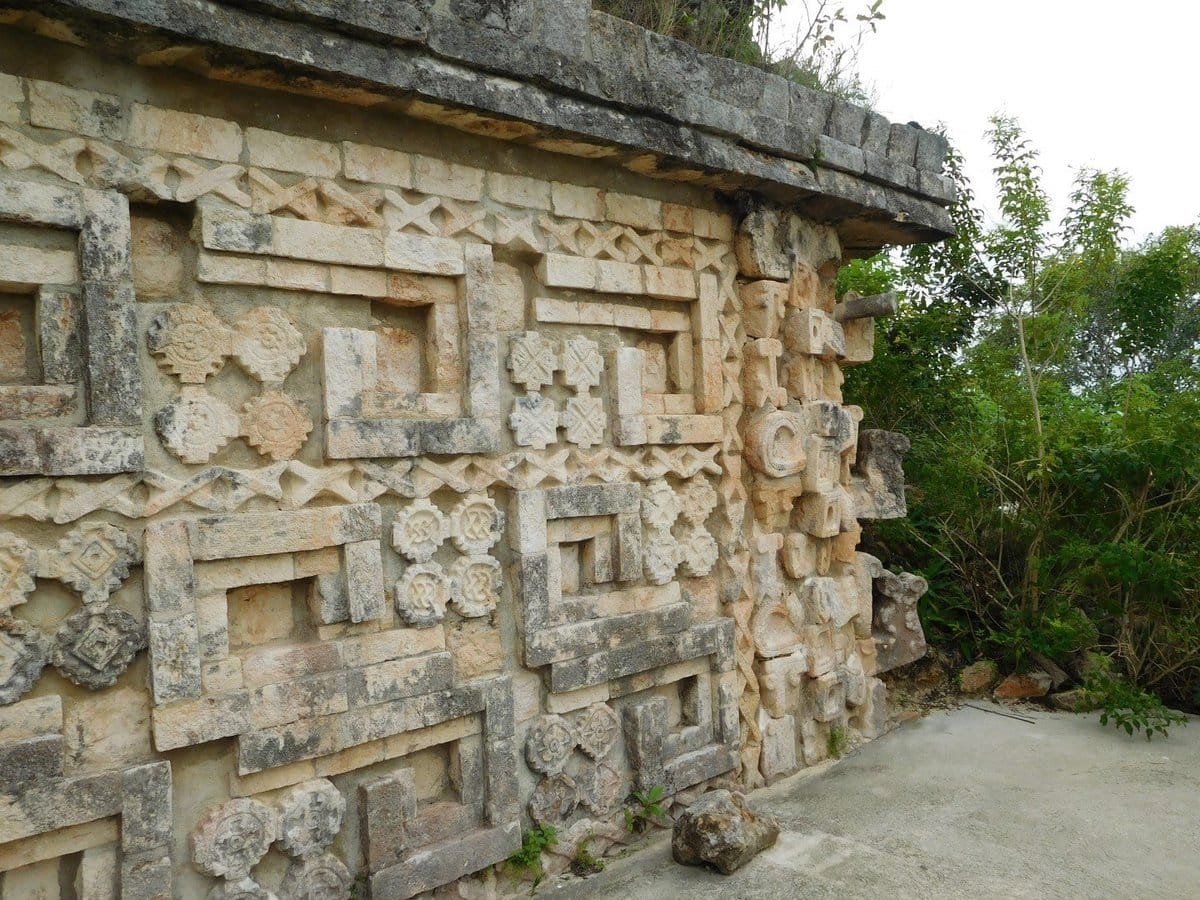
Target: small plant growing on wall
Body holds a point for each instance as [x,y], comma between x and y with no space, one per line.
[585,862]
[528,859]
[646,809]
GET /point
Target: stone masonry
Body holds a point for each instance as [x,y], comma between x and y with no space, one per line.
[421,420]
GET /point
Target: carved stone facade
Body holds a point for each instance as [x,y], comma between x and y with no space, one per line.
[383,471]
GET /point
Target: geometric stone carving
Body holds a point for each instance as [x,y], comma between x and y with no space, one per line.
[581,364]
[598,729]
[698,499]
[896,627]
[475,585]
[698,551]
[319,877]
[422,595]
[194,426]
[549,744]
[476,525]
[231,838]
[418,530]
[310,817]
[532,360]
[266,344]
[275,425]
[102,328]
[94,559]
[601,788]
[534,421]
[775,443]
[18,566]
[554,799]
[661,555]
[24,652]
[189,342]
[660,505]
[584,421]
[95,645]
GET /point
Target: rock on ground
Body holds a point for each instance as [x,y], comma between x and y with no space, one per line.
[978,677]
[721,830]
[1023,687]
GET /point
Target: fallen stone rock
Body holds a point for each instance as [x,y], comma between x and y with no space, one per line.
[722,831]
[1027,686]
[1057,676]
[978,677]
[1068,701]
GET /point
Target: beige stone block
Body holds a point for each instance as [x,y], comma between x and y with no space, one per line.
[517,190]
[12,95]
[573,700]
[198,721]
[627,365]
[425,255]
[678,218]
[559,270]
[860,341]
[272,665]
[476,649]
[180,132]
[447,179]
[157,258]
[111,728]
[289,153]
[291,275]
[762,307]
[367,650]
[59,842]
[710,383]
[594,313]
[683,429]
[221,268]
[358,282]
[717,226]
[670,284]
[637,212]
[99,874]
[574,201]
[510,297]
[635,317]
[31,718]
[38,881]
[614,277]
[37,266]
[670,321]
[70,109]
[319,242]
[377,165]
[222,676]
[272,779]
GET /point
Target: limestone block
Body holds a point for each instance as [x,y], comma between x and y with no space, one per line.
[70,109]
[289,153]
[12,97]
[577,201]
[173,131]
[778,756]
[377,164]
[721,830]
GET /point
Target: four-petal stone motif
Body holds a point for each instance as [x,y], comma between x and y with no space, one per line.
[267,345]
[532,360]
[95,558]
[18,567]
[581,363]
[583,419]
[230,839]
[422,594]
[549,744]
[24,652]
[195,426]
[660,504]
[95,646]
[275,425]
[598,728]
[310,817]
[475,585]
[534,421]
[601,787]
[189,342]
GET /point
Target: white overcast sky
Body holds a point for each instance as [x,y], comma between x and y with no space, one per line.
[1106,84]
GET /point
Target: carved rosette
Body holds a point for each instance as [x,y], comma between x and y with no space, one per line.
[18,567]
[584,421]
[275,425]
[554,799]
[697,551]
[194,426]
[189,342]
[319,877]
[95,646]
[660,504]
[230,839]
[475,585]
[549,744]
[418,530]
[24,652]
[534,421]
[660,555]
[310,817]
[267,345]
[581,363]
[476,525]
[598,729]
[95,558]
[422,594]
[697,499]
[532,360]
[601,788]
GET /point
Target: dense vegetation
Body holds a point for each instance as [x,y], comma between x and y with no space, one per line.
[1051,388]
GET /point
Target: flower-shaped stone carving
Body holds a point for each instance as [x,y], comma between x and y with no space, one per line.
[534,421]
[660,504]
[532,360]
[583,418]
[598,728]
[697,551]
[231,838]
[581,363]
[310,817]
[549,744]
[189,342]
[319,877]
[95,558]
[24,652]
[698,499]
[660,556]
[266,344]
[475,585]
[422,594]
[476,525]
[554,799]
[18,566]
[195,426]
[275,425]
[95,646]
[418,530]
[601,787]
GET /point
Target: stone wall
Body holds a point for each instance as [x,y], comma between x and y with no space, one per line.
[389,466]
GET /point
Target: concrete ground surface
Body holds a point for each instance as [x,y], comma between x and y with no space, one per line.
[963,803]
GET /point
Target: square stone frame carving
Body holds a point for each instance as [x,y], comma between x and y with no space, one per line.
[177,653]
[140,796]
[111,441]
